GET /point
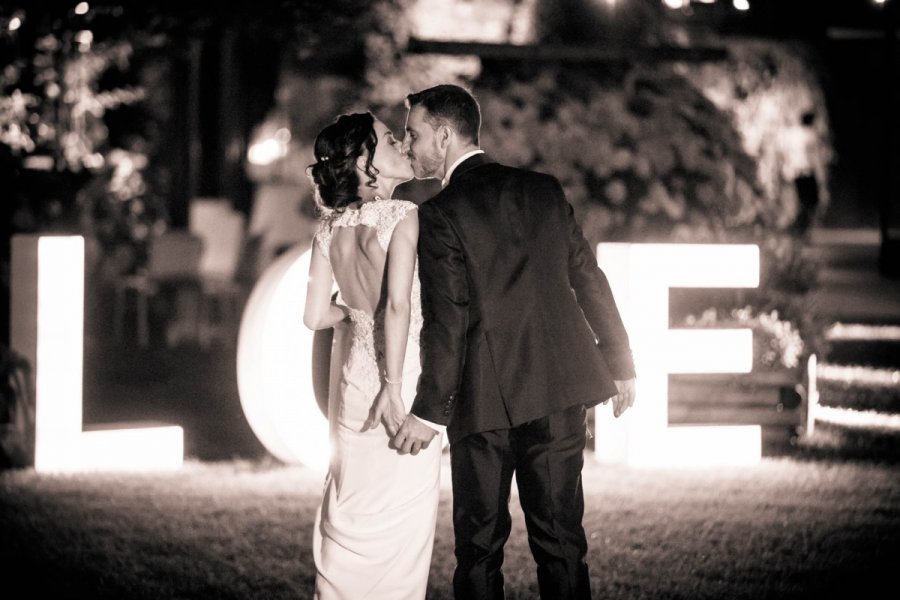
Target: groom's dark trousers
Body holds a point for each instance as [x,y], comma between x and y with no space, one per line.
[547,456]
[521,333]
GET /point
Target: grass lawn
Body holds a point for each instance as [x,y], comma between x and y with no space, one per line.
[786,528]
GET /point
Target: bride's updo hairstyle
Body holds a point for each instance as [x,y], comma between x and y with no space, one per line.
[337,148]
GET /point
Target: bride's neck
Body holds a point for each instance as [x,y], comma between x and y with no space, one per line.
[383,190]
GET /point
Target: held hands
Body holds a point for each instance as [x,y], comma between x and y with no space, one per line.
[414,435]
[388,408]
[625,398]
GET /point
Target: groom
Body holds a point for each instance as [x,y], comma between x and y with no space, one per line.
[521,334]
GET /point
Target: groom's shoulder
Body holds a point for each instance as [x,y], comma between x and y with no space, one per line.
[521,172]
[488,178]
[498,172]
[534,182]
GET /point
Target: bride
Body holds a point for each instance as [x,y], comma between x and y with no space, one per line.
[374,530]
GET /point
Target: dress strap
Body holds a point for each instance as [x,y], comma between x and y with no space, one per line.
[389,213]
[382,215]
[322,237]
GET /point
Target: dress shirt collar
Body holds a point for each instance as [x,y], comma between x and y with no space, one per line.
[458,161]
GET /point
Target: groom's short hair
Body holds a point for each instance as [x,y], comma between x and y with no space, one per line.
[451,105]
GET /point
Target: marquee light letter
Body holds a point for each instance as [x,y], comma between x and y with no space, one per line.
[47,302]
[274,365]
[640,276]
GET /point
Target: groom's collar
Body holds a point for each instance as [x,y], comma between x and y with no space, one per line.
[464,163]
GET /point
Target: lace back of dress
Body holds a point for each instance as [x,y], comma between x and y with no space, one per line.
[367,348]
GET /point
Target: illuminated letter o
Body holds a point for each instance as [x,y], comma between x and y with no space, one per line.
[274,358]
[284,369]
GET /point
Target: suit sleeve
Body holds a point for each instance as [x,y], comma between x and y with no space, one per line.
[596,299]
[445,309]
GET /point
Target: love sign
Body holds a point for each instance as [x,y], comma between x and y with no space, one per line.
[281,370]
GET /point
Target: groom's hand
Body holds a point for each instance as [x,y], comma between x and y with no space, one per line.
[414,435]
[625,398]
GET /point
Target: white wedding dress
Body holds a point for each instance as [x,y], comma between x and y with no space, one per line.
[374,531]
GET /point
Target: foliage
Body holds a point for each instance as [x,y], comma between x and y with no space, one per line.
[776,342]
[391,73]
[69,75]
[787,329]
[53,99]
[87,99]
[772,93]
[640,153]
[16,410]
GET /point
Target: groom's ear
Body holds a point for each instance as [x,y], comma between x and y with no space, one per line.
[444,133]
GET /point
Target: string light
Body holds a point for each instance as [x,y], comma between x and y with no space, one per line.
[15,23]
[82,8]
[738,4]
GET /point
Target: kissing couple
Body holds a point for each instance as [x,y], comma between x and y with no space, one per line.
[480,315]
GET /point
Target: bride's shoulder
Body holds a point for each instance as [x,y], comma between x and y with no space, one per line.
[395,209]
[389,213]
[405,206]
[325,219]
[399,203]
[325,214]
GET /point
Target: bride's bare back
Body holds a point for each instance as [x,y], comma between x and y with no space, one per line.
[358,262]
[355,248]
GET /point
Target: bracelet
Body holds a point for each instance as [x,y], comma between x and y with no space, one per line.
[392,381]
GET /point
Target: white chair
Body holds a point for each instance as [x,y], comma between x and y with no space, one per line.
[223,232]
[173,260]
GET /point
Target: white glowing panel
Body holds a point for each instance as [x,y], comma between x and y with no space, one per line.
[274,365]
[812,395]
[47,329]
[58,368]
[641,276]
[137,447]
[709,350]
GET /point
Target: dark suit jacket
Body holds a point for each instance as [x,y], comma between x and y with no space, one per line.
[519,320]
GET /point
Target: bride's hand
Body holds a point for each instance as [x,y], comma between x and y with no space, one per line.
[388,408]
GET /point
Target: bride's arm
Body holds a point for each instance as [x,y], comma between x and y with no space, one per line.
[401,261]
[388,407]
[320,312]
